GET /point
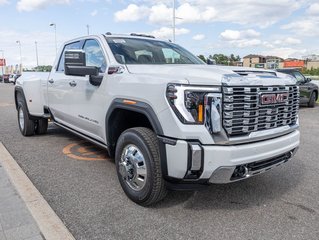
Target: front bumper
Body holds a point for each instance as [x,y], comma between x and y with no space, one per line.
[220,162]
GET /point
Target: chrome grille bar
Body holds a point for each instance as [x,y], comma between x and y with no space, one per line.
[243,112]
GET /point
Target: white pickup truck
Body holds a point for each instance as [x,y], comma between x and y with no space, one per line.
[170,120]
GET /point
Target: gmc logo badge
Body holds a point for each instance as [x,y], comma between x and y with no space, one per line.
[274,98]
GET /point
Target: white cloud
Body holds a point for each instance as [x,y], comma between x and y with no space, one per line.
[94,13]
[313,9]
[230,35]
[189,14]
[285,52]
[199,37]
[290,40]
[3,2]
[247,43]
[245,12]
[287,41]
[160,14]
[167,33]
[30,5]
[131,13]
[241,39]
[303,27]
[185,13]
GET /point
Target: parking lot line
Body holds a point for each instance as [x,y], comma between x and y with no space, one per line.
[48,222]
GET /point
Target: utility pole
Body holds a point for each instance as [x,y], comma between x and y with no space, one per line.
[36,52]
[56,44]
[174,20]
[19,43]
[2,62]
[88,29]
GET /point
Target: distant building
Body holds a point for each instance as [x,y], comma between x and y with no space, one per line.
[312,57]
[294,63]
[312,64]
[273,62]
[259,61]
[252,60]
[239,64]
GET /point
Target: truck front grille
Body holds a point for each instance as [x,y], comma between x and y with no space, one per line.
[245,111]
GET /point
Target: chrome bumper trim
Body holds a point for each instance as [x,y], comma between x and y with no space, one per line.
[224,174]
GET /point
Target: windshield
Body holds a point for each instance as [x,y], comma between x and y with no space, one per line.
[144,51]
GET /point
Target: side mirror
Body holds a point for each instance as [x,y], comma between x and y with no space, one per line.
[308,80]
[75,64]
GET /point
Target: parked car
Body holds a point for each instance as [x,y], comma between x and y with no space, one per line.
[13,78]
[308,90]
[6,78]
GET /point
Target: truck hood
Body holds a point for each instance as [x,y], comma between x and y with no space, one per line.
[212,74]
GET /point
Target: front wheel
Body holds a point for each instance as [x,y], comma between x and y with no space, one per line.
[138,166]
[312,101]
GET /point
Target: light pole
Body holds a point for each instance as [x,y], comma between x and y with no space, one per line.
[56,44]
[88,28]
[2,62]
[36,52]
[19,43]
[174,20]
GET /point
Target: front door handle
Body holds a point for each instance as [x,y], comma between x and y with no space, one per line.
[51,81]
[72,83]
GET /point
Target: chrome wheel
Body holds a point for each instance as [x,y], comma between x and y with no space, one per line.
[132,167]
[21,118]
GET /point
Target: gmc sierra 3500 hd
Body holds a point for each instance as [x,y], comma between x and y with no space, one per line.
[170,120]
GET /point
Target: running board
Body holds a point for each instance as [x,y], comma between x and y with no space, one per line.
[82,135]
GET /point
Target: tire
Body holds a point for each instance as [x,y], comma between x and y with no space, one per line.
[26,125]
[312,101]
[41,126]
[137,154]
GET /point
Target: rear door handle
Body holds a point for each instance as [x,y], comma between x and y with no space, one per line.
[51,81]
[72,83]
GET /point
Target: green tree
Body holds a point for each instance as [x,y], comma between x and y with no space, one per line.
[43,68]
[221,59]
[202,57]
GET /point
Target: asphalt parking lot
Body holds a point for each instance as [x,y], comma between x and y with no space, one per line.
[80,184]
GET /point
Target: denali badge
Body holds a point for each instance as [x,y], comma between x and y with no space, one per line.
[273,98]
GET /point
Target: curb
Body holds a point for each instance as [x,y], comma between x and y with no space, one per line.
[50,225]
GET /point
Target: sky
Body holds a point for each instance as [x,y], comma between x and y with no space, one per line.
[284,28]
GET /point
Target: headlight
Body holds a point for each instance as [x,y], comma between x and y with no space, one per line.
[189,102]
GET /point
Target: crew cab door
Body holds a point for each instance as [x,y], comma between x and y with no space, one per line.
[60,87]
[73,100]
[89,102]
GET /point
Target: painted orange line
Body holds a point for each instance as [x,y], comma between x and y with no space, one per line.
[78,152]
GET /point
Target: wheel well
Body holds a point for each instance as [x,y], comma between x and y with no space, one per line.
[16,94]
[121,120]
[15,98]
